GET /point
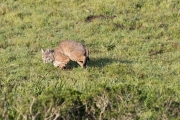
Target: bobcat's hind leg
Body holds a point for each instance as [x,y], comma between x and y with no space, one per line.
[79,58]
[81,64]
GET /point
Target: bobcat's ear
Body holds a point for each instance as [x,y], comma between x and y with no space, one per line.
[42,50]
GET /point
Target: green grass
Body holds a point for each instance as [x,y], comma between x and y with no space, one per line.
[134,67]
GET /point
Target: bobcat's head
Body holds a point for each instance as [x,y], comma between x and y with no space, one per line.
[47,55]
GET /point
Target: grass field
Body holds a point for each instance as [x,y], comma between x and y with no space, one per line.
[134,67]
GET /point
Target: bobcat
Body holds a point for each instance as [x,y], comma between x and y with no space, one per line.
[66,51]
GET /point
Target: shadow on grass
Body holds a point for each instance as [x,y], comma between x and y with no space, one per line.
[102,62]
[97,62]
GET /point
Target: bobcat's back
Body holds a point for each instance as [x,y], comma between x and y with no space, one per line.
[69,48]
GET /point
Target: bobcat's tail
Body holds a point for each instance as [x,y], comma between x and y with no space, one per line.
[87,58]
[87,54]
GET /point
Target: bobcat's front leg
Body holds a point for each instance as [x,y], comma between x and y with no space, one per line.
[63,64]
[59,64]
